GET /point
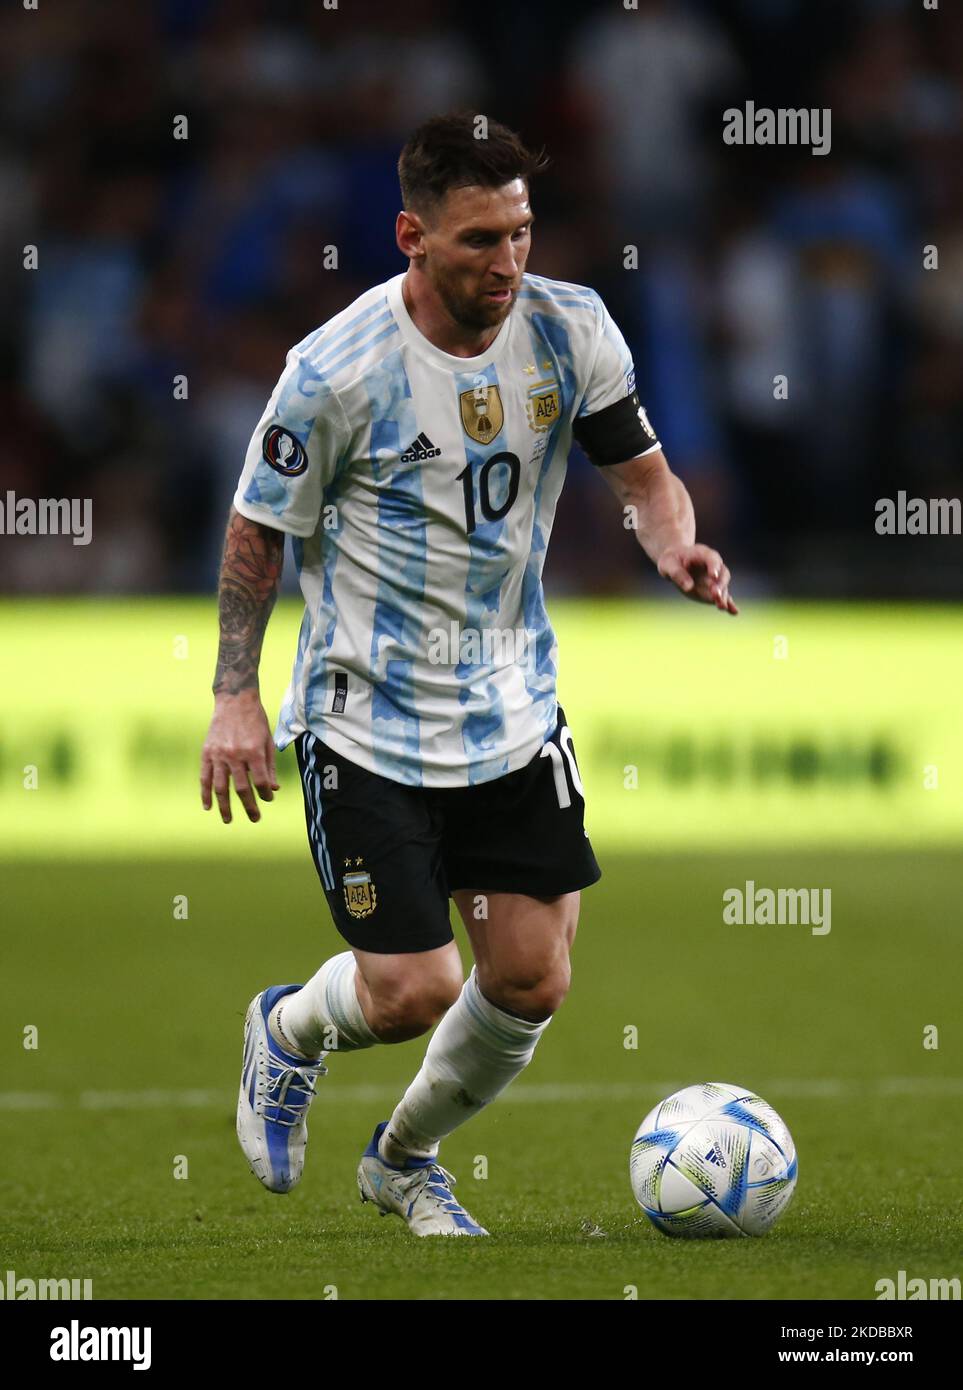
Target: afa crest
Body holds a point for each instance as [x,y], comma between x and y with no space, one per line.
[481,413]
[360,895]
[543,406]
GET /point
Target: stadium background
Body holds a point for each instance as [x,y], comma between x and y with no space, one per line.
[814,741]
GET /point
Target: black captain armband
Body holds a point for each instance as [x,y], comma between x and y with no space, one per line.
[617,433]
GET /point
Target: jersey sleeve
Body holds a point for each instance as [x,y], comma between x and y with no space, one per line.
[610,424]
[294,452]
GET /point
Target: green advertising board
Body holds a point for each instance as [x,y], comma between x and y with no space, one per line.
[789,725]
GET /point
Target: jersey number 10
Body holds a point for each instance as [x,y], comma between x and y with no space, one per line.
[488,509]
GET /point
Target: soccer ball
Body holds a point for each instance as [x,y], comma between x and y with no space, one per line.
[713,1160]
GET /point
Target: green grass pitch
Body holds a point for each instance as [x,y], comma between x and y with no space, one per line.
[139,1018]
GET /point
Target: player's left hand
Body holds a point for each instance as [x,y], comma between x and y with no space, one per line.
[700,573]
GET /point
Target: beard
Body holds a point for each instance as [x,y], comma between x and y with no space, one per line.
[468,311]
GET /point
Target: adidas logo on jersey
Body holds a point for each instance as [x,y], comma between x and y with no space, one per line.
[421,449]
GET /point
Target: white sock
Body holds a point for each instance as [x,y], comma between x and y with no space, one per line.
[474,1053]
[325,1015]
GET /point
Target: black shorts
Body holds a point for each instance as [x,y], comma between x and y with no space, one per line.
[389,855]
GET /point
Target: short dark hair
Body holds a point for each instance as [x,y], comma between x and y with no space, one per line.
[446,152]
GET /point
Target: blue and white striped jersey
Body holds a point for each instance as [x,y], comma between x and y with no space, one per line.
[421,489]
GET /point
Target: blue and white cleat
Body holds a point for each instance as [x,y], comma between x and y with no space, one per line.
[419,1193]
[276,1090]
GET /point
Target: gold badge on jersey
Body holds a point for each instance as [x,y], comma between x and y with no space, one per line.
[481,412]
[543,405]
[360,896]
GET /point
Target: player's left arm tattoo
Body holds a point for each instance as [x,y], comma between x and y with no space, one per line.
[247,589]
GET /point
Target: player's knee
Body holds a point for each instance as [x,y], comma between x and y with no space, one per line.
[414,1006]
[545,999]
[532,995]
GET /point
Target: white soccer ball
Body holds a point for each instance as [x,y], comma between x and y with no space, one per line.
[713,1160]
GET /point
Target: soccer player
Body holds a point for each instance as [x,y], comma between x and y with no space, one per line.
[414,448]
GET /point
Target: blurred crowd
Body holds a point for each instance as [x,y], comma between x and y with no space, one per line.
[200,260]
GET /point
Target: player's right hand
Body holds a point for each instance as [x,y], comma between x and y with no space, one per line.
[239,746]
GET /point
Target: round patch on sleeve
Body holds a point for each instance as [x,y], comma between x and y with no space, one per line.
[283,452]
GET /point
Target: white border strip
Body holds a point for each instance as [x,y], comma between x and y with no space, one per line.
[794,1088]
